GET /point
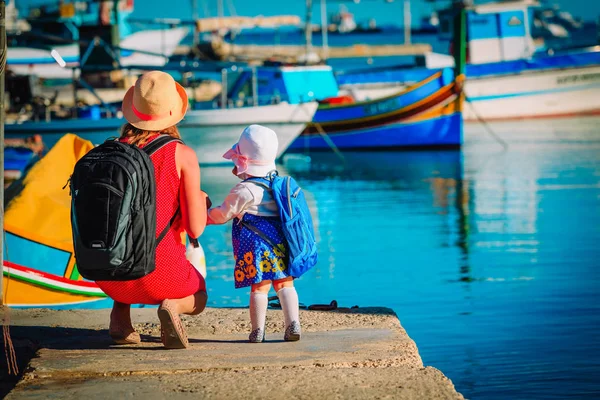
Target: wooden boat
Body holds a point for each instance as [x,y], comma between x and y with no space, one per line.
[426,114]
[39,267]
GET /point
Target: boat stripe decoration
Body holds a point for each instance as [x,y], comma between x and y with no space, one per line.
[333,127]
[51,281]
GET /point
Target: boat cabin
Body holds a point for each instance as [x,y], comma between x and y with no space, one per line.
[246,86]
[499,31]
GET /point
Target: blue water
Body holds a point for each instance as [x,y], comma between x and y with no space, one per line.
[489,257]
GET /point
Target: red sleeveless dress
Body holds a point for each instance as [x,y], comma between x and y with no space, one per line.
[174,277]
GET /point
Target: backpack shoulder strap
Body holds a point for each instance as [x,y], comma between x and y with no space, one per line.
[159,143]
[166,228]
[260,182]
[150,149]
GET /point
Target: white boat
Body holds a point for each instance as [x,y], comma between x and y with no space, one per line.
[507,78]
[211,132]
[286,105]
[42,63]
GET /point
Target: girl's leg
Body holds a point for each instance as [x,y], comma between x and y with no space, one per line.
[288,297]
[259,301]
[120,328]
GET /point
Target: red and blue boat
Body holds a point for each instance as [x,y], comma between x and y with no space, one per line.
[427,114]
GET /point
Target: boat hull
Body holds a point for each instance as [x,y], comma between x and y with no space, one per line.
[26,288]
[427,114]
[541,94]
[544,88]
[209,132]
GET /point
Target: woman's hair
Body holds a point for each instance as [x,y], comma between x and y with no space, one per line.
[139,137]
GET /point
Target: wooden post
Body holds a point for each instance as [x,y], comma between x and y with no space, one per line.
[2,74]
[308,29]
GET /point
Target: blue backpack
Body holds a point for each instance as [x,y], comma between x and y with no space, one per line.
[296,221]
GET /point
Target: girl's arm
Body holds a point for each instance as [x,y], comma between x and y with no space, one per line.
[238,199]
[191,199]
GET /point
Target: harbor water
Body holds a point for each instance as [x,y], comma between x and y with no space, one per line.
[488,255]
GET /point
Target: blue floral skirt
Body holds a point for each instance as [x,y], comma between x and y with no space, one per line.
[260,250]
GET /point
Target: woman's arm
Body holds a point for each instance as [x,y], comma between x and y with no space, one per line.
[191,199]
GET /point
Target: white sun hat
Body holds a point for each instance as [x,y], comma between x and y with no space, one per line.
[255,152]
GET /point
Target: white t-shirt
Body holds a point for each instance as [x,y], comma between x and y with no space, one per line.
[245,197]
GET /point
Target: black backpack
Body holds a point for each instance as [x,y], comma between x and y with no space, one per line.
[113,211]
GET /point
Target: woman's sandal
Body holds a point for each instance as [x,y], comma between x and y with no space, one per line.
[172,332]
[121,337]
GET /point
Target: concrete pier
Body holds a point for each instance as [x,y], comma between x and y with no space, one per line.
[357,353]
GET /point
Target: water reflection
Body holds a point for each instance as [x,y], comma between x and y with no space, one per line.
[489,257]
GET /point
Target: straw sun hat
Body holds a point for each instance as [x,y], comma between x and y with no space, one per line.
[155,102]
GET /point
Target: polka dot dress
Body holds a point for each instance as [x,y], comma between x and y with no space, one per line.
[257,259]
[174,276]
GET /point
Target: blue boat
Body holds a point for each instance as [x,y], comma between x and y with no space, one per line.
[426,114]
[19,155]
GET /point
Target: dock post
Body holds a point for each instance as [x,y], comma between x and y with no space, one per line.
[2,74]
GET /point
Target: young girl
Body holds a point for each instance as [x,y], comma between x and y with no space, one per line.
[255,215]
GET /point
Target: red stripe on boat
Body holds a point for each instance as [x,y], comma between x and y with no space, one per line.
[53,277]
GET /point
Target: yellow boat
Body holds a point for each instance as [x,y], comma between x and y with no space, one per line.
[39,265]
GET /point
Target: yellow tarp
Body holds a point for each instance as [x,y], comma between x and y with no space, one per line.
[42,209]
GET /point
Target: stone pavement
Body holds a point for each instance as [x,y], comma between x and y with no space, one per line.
[351,353]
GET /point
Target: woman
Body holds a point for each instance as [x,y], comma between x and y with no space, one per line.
[152,107]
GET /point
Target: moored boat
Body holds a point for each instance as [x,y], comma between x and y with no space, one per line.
[426,114]
[287,106]
[507,76]
[39,265]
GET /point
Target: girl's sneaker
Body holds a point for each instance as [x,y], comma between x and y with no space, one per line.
[292,332]
[257,336]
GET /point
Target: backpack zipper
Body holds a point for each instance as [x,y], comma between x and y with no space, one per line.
[288,197]
[122,166]
[110,188]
